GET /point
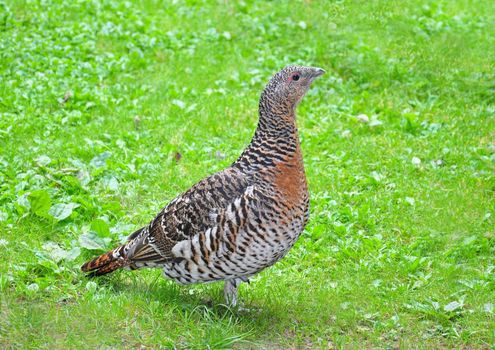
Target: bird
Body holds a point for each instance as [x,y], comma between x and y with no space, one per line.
[237,222]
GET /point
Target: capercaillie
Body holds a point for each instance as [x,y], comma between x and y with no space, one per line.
[241,220]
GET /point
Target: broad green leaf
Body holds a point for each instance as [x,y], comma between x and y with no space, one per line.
[73,253]
[91,241]
[33,287]
[179,103]
[43,160]
[488,307]
[62,211]
[111,183]
[452,306]
[100,227]
[56,253]
[40,202]
[100,160]
[91,286]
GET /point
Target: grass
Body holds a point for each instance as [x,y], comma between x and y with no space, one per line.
[98,100]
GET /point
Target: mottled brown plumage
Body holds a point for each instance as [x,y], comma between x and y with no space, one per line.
[241,220]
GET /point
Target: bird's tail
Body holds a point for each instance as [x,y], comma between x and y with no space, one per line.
[112,260]
[105,263]
[134,254]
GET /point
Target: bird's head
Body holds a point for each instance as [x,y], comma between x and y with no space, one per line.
[286,88]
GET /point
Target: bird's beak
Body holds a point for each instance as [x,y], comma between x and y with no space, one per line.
[316,72]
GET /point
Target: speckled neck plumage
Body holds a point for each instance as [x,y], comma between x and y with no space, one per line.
[276,136]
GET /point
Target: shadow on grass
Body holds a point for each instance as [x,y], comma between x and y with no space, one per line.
[205,300]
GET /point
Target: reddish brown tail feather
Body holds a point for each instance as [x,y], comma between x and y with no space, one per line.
[103,264]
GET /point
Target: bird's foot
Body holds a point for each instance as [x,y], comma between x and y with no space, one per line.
[230,294]
[230,291]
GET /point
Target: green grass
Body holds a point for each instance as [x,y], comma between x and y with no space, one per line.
[398,253]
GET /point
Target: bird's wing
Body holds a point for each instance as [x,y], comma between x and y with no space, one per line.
[226,233]
[191,212]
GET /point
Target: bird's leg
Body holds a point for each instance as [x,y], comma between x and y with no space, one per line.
[230,291]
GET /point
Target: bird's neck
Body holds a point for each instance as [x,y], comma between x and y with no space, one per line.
[278,129]
[275,140]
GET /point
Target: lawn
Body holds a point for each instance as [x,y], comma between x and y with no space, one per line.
[109,109]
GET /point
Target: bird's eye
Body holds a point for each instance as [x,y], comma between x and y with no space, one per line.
[295,77]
